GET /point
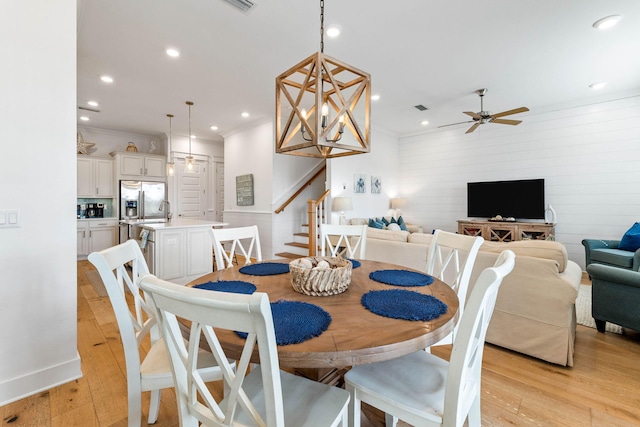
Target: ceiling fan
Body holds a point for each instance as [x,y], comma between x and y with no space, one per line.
[483,117]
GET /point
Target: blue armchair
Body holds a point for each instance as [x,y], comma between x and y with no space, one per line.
[606,252]
[615,296]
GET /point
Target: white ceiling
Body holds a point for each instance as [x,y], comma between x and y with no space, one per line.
[533,53]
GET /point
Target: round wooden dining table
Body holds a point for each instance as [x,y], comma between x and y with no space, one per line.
[355,335]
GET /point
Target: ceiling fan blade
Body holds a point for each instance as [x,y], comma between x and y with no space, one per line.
[474,115]
[509,112]
[506,122]
[472,128]
[459,123]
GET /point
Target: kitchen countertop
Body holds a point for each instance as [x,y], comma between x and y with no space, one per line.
[181,223]
[98,219]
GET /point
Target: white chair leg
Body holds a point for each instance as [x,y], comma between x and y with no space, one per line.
[390,420]
[134,404]
[154,406]
[354,407]
[474,416]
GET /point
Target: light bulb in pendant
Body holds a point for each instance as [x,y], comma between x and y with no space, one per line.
[325,114]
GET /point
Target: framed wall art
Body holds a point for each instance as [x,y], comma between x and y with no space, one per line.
[244,190]
[376,185]
[359,183]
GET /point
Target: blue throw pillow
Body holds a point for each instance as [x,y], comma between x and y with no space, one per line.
[376,224]
[631,239]
[402,224]
[393,221]
[384,220]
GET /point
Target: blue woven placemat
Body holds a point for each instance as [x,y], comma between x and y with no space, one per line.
[235,286]
[265,269]
[354,263]
[296,321]
[403,304]
[401,277]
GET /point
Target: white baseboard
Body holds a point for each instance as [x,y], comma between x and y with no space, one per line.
[36,382]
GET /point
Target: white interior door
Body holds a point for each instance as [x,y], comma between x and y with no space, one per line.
[191,191]
[219,185]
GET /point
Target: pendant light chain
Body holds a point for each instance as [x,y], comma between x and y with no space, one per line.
[189,104]
[321,26]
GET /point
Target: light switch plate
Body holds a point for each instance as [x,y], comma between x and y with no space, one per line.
[9,218]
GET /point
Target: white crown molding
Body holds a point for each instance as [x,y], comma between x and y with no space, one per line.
[117,132]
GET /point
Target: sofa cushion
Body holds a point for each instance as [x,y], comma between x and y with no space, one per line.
[532,248]
[612,257]
[396,236]
[631,239]
[420,238]
[393,226]
[359,221]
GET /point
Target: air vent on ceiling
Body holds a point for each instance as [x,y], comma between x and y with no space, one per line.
[421,107]
[243,5]
[88,109]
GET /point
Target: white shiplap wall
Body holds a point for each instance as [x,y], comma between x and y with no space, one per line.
[589,156]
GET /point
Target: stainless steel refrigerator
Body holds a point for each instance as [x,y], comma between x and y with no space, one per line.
[141,200]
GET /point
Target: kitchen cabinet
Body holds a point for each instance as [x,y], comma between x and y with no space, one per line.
[95,177]
[134,166]
[180,251]
[95,235]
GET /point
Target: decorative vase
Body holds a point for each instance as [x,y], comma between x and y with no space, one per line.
[132,148]
[550,215]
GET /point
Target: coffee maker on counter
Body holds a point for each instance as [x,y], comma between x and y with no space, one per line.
[95,210]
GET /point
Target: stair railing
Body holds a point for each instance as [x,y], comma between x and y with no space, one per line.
[316,210]
[301,189]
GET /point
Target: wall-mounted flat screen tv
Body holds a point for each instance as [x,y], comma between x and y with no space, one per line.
[521,199]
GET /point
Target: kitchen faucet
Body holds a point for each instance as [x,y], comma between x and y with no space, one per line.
[169,214]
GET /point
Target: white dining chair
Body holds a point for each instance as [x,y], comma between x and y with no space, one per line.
[348,239]
[120,268]
[423,389]
[451,258]
[245,240]
[264,395]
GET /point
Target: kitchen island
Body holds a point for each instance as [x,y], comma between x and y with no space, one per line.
[179,250]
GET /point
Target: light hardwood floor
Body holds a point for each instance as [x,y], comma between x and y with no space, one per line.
[602,389]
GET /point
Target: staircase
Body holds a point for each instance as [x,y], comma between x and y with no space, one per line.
[299,246]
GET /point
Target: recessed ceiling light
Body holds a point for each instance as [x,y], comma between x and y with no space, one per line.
[333,31]
[92,103]
[607,22]
[214,127]
[424,122]
[245,114]
[375,97]
[84,118]
[106,79]
[193,137]
[174,53]
[598,85]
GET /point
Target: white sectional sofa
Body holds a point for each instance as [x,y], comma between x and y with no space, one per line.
[535,311]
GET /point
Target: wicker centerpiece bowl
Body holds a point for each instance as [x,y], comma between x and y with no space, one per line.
[320,276]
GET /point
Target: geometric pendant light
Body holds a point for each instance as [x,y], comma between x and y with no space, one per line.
[323,107]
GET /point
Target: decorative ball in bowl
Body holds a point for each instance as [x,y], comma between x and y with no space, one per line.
[320,276]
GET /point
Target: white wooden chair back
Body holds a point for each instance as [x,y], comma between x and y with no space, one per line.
[348,239]
[207,310]
[120,267]
[462,389]
[451,258]
[240,240]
